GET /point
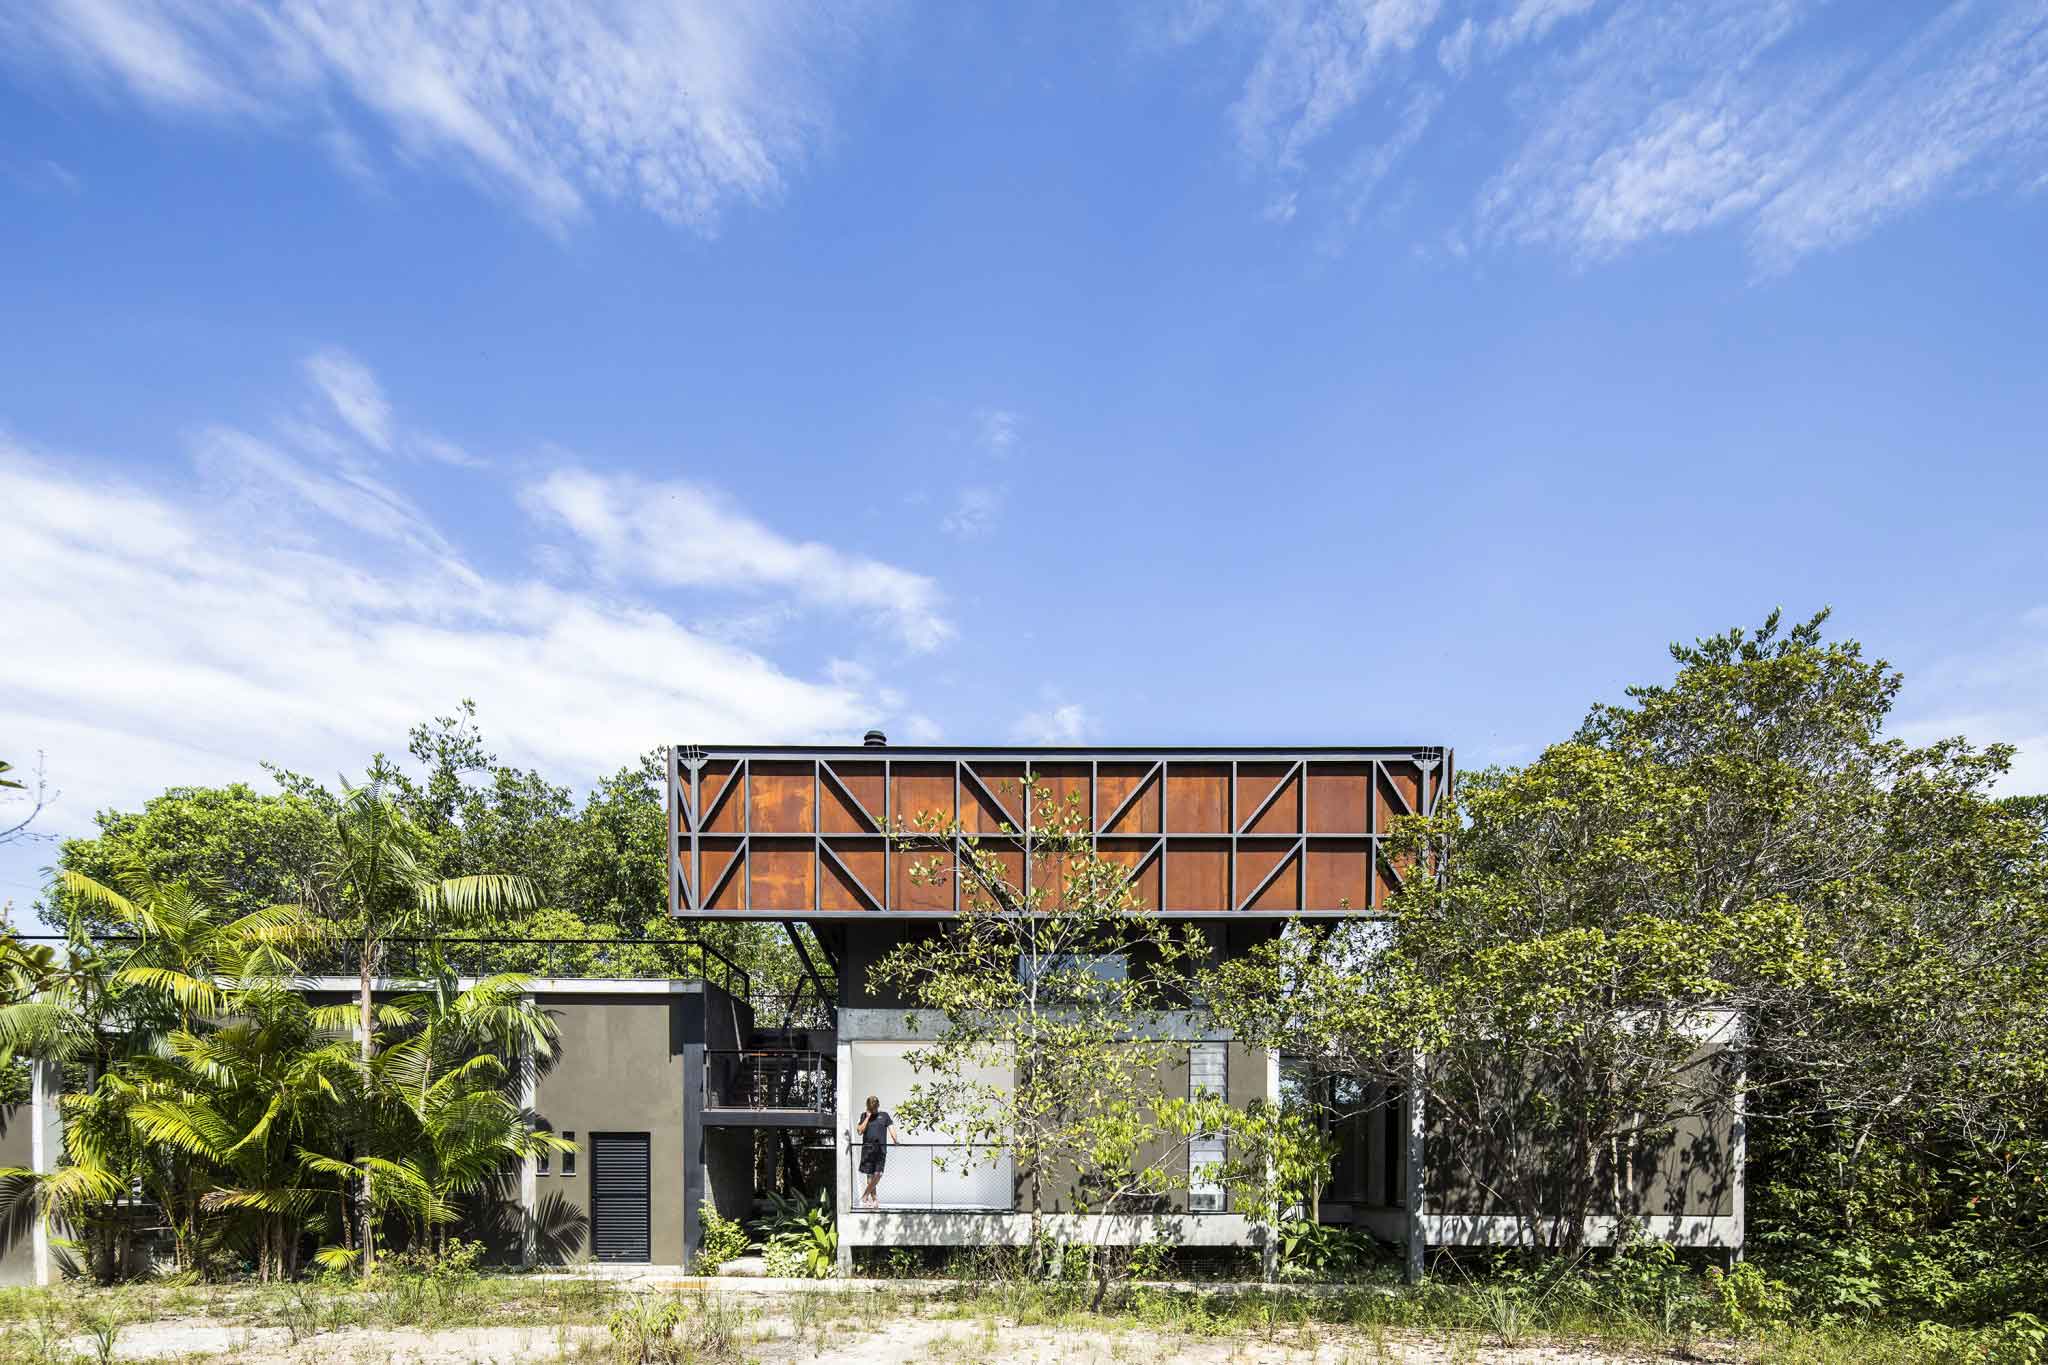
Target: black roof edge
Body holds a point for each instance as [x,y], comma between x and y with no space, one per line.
[1069,750]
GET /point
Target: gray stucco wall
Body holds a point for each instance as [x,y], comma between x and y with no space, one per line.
[17,1228]
[621,1070]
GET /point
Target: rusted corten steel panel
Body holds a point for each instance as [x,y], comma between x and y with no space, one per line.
[787,832]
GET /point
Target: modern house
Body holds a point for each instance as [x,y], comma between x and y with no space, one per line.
[1239,839]
[693,1091]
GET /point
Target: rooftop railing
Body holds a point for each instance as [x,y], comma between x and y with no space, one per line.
[422,959]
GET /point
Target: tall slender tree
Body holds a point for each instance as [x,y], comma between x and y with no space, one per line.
[379,890]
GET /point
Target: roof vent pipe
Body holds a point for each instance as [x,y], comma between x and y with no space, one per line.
[875,739]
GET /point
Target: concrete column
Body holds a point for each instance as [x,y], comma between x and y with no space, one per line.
[1269,1252]
[693,1151]
[842,1134]
[1418,1247]
[529,1169]
[46,1148]
[1738,1158]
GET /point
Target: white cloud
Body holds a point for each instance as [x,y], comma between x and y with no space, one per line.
[1665,128]
[1995,692]
[681,534]
[1530,20]
[1318,58]
[1061,724]
[1454,52]
[998,429]
[975,512]
[681,107]
[258,474]
[352,390]
[1644,119]
[357,397]
[153,643]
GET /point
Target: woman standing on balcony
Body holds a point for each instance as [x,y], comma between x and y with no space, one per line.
[877,1130]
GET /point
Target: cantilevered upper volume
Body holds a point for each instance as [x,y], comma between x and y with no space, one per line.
[788,832]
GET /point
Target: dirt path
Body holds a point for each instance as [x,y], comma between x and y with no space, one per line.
[774,1339]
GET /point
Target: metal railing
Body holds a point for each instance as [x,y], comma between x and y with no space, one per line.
[770,1078]
[601,958]
[798,1009]
[949,1176]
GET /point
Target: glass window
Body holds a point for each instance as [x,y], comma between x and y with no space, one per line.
[1208,1074]
[569,1157]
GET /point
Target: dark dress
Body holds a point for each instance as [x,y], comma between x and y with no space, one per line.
[874,1143]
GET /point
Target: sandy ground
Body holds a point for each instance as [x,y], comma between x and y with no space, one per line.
[767,1333]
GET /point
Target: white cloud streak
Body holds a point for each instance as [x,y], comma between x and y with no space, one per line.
[1647,119]
[975,512]
[680,534]
[1055,725]
[681,107]
[357,397]
[155,643]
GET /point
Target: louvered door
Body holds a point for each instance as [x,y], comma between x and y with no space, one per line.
[621,1220]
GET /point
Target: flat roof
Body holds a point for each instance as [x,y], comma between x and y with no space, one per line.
[1075,751]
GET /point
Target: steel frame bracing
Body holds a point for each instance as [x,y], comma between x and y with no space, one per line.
[692,891]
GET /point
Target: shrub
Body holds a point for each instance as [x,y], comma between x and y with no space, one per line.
[803,1241]
[724,1240]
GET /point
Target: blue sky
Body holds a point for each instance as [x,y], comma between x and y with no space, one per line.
[1390,370]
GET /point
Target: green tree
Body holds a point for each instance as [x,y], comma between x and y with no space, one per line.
[248,849]
[1074,996]
[377,888]
[444,1079]
[1742,838]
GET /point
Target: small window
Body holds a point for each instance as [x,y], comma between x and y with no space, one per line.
[1208,1074]
[569,1157]
[540,1162]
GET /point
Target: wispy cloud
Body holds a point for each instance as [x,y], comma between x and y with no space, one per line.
[352,390]
[1064,723]
[1642,119]
[1315,60]
[1997,693]
[198,639]
[977,506]
[681,534]
[974,513]
[998,429]
[355,393]
[683,108]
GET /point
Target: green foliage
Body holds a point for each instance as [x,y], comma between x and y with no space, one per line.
[723,1240]
[1320,1253]
[644,1331]
[803,1238]
[248,850]
[1742,843]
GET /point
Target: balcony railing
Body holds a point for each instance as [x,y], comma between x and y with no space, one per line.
[770,1078]
[950,1176]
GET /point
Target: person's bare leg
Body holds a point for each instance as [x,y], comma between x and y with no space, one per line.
[868,1195]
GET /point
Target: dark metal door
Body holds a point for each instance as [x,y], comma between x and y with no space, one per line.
[621,1217]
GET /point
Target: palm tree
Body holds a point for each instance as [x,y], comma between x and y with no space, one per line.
[452,1077]
[188,948]
[139,1018]
[239,1099]
[375,876]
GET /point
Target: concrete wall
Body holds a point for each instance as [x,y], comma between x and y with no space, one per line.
[621,1070]
[1694,1172]
[17,1221]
